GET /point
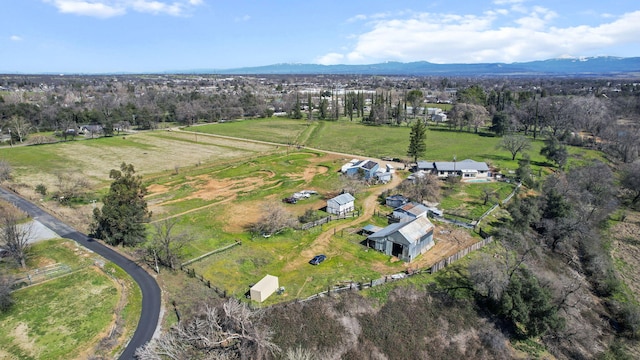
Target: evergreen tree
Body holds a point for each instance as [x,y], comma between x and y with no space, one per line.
[417,145]
[296,113]
[555,151]
[124,213]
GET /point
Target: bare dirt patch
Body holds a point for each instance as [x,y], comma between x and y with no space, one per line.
[21,337]
[251,213]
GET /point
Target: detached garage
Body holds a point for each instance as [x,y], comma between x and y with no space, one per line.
[264,288]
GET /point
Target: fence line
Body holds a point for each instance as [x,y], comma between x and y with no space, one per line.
[192,273]
[460,254]
[357,286]
[324,220]
[43,274]
[238,242]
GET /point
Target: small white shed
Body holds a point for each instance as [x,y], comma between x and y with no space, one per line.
[264,288]
[341,204]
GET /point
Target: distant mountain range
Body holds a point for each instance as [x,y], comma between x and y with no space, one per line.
[586,67]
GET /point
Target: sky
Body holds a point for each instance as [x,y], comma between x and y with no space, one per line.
[146,36]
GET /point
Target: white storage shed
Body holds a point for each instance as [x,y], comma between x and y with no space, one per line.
[264,288]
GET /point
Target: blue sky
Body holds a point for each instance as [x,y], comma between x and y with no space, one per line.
[97,36]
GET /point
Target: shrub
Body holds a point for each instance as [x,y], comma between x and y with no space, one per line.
[41,189]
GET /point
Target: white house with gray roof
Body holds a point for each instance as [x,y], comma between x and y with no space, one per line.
[465,168]
[341,204]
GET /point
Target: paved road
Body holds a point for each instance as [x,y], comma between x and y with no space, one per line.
[148,285]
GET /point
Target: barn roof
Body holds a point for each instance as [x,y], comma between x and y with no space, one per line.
[412,231]
[343,199]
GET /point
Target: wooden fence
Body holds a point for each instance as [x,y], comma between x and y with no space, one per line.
[460,254]
[356,286]
[324,220]
[192,273]
[238,242]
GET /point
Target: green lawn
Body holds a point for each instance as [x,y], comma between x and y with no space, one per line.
[63,317]
[59,318]
[236,269]
[275,129]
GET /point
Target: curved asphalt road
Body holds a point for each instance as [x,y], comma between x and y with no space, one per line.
[148,285]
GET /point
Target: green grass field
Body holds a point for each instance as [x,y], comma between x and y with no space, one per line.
[378,141]
[64,317]
[216,186]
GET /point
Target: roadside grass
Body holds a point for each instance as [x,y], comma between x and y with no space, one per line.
[53,320]
[132,309]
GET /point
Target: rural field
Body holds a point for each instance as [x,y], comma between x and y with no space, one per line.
[89,309]
[215,180]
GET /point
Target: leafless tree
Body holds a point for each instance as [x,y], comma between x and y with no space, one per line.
[299,354]
[275,219]
[166,245]
[19,127]
[230,331]
[469,115]
[593,114]
[352,184]
[489,276]
[6,300]
[422,188]
[514,144]
[631,180]
[5,171]
[14,235]
[559,114]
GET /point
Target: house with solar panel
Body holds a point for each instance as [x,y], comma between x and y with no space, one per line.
[366,168]
[404,240]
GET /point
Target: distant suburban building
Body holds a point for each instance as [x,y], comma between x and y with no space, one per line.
[341,204]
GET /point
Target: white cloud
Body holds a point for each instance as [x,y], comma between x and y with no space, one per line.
[494,36]
[507,2]
[88,8]
[111,8]
[330,59]
[15,38]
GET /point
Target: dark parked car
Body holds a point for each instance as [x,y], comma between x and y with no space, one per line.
[317,259]
[290,200]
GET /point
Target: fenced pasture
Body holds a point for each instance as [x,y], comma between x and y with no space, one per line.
[352,137]
[283,255]
[275,129]
[466,200]
[69,307]
[149,152]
